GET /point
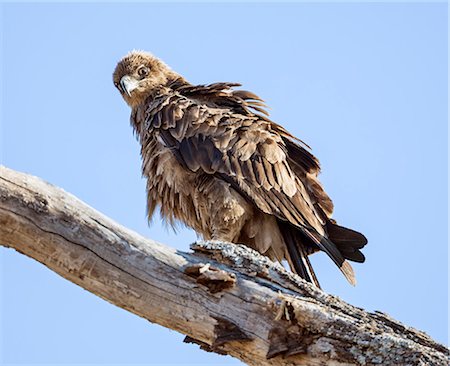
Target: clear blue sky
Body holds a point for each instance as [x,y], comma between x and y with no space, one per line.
[364,84]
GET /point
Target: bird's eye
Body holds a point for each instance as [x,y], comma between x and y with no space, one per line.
[116,84]
[142,71]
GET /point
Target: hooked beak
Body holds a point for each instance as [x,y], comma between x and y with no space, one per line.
[128,84]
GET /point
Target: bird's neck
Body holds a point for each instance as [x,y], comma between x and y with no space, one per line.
[139,108]
[173,83]
[177,82]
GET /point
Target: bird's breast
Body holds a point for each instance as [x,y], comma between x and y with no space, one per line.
[169,185]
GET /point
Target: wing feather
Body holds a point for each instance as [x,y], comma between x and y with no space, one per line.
[257,157]
[252,154]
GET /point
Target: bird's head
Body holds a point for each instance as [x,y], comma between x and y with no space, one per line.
[139,75]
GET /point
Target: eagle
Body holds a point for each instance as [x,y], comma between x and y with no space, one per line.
[214,161]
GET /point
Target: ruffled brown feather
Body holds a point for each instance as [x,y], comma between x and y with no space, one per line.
[224,144]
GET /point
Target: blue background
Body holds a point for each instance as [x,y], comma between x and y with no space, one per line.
[364,84]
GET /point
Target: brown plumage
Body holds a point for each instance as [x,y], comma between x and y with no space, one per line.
[214,161]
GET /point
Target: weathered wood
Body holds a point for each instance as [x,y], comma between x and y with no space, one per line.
[226,298]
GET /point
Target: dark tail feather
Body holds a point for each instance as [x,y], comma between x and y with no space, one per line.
[298,260]
[334,253]
[341,244]
[349,242]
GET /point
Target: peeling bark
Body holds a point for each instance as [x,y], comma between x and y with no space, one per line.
[215,279]
[224,297]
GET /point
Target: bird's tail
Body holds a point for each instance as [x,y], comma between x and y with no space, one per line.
[298,256]
[349,242]
[339,244]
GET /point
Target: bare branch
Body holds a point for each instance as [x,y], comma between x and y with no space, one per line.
[226,298]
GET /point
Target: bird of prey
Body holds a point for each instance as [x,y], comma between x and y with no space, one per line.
[215,161]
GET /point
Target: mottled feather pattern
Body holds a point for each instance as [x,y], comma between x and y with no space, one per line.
[202,147]
[215,161]
[199,145]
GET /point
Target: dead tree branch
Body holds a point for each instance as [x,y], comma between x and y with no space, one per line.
[226,298]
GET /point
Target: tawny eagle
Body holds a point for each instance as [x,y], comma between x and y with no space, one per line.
[215,161]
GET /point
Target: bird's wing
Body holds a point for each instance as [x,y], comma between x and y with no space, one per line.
[248,152]
[302,162]
[306,167]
